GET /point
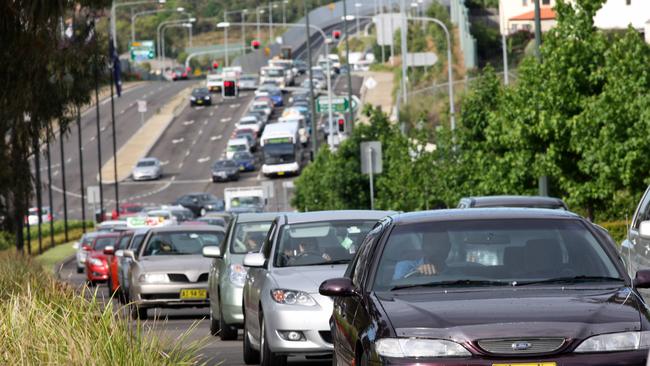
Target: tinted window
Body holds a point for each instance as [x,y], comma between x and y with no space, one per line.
[249,237]
[124,242]
[243,155]
[146,163]
[101,243]
[320,242]
[181,243]
[506,251]
[136,242]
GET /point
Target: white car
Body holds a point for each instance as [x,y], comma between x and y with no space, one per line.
[237,145]
[82,247]
[249,122]
[32,215]
[262,106]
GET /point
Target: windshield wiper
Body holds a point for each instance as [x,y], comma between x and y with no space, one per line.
[456,283]
[339,261]
[570,280]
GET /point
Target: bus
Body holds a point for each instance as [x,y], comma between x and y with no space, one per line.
[282,149]
[275,74]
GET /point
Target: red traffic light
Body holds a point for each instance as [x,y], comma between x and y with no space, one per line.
[341,122]
[228,84]
[215,65]
[336,34]
[188,69]
[255,44]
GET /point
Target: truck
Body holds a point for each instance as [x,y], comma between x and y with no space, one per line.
[214,82]
[244,199]
[275,74]
[281,148]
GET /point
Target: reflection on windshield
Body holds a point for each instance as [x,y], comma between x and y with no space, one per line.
[102,243]
[320,243]
[279,153]
[249,237]
[181,243]
[490,252]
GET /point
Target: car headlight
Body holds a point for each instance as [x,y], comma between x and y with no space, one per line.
[624,341]
[237,274]
[154,278]
[292,297]
[96,262]
[207,97]
[192,98]
[416,347]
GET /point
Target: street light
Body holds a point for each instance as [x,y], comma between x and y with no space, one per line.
[161,45]
[356,8]
[114,7]
[176,25]
[134,17]
[242,13]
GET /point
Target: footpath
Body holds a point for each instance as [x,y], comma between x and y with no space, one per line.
[380,94]
[141,143]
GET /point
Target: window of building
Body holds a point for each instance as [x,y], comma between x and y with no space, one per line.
[546,2]
[524,2]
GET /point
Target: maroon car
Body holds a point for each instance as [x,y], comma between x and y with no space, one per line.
[516,287]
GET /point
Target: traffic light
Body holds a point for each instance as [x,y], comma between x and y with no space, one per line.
[336,34]
[255,44]
[341,123]
[229,88]
[188,69]
[215,65]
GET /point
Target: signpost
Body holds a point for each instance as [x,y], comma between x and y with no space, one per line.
[371,163]
[339,104]
[92,192]
[142,51]
[142,108]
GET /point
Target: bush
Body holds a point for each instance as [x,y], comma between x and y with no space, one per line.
[617,229]
[45,322]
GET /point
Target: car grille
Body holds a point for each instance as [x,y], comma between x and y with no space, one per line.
[159,296]
[326,335]
[179,277]
[521,346]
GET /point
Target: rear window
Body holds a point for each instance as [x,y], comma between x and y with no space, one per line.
[101,243]
[181,243]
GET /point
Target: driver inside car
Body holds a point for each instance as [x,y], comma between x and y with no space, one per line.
[308,251]
[428,261]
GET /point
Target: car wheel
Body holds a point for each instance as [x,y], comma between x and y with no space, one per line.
[109,284]
[80,270]
[214,180]
[228,332]
[203,212]
[214,324]
[138,312]
[251,356]
[268,358]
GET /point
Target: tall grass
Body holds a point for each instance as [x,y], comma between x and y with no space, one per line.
[45,322]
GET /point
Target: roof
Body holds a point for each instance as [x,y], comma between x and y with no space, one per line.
[174,228]
[262,216]
[515,201]
[497,213]
[336,215]
[545,14]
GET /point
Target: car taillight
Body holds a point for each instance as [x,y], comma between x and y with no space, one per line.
[49,217]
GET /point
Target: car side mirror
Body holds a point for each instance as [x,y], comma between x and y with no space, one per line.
[642,279]
[644,229]
[211,252]
[109,250]
[254,260]
[75,246]
[119,253]
[337,287]
[129,254]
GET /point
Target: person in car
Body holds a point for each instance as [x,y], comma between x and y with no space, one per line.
[428,261]
[308,251]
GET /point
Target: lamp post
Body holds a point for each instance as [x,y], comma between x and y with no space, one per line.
[160,44]
[114,7]
[242,13]
[356,8]
[284,11]
[146,12]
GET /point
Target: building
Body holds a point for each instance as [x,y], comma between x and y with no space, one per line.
[619,14]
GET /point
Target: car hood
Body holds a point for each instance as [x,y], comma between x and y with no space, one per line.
[144,169]
[306,278]
[174,264]
[522,312]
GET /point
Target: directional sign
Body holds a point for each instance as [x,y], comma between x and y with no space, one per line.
[142,51]
[142,106]
[92,192]
[339,104]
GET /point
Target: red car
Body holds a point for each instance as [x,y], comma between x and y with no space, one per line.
[99,252]
[113,264]
[127,210]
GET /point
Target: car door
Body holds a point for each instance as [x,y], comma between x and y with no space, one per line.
[349,317]
[254,284]
[636,249]
[218,267]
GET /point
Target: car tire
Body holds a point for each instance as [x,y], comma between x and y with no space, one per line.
[251,356]
[109,284]
[214,324]
[138,312]
[80,269]
[228,332]
[268,358]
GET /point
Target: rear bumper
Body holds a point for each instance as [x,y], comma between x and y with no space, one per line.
[96,273]
[280,169]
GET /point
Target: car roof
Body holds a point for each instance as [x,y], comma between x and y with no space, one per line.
[148,159]
[491,201]
[261,216]
[494,213]
[169,229]
[335,215]
[237,141]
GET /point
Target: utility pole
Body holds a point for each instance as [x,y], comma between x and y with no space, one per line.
[314,139]
[63,183]
[225,35]
[347,62]
[403,30]
[81,173]
[538,31]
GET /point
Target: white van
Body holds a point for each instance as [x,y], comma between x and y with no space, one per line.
[237,145]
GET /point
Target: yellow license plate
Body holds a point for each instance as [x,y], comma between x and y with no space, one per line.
[280,173]
[526,364]
[194,294]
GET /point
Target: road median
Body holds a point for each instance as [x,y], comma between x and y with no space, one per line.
[143,141]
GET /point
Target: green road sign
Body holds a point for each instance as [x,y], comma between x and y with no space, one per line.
[142,51]
[339,104]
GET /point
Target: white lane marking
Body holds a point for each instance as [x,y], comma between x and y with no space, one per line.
[176,141]
[259,176]
[187,153]
[236,105]
[200,132]
[243,94]
[55,173]
[163,163]
[199,108]
[203,160]
[215,138]
[180,166]
[122,111]
[205,123]
[187,123]
[227,119]
[103,129]
[211,113]
[91,139]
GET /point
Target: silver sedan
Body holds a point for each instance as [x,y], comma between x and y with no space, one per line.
[283,312]
[147,169]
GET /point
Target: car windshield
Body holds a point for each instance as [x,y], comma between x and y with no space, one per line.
[246,202]
[243,155]
[136,242]
[274,72]
[235,148]
[200,91]
[492,252]
[146,163]
[224,164]
[164,214]
[181,242]
[248,237]
[132,209]
[101,243]
[320,242]
[279,153]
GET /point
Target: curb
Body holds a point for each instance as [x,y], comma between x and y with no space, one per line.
[58,266]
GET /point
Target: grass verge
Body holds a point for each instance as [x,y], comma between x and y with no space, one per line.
[55,255]
[45,322]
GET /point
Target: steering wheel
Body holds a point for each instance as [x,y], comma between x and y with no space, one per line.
[413,273]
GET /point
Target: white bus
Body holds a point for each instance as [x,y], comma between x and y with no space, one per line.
[275,74]
[282,149]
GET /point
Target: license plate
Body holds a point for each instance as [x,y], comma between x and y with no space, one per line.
[526,364]
[241,167]
[280,173]
[200,102]
[194,294]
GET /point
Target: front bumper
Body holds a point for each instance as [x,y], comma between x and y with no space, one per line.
[628,358]
[231,304]
[280,169]
[223,178]
[312,321]
[166,294]
[96,273]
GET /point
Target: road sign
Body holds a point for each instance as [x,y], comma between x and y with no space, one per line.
[371,151]
[142,51]
[421,59]
[142,106]
[339,104]
[370,83]
[269,189]
[93,194]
